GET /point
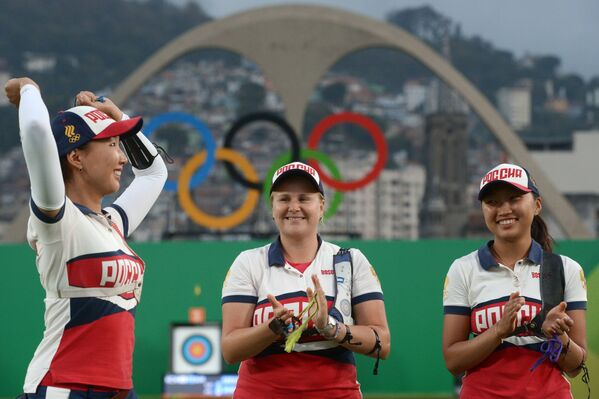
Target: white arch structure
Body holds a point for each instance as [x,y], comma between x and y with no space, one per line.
[295,45]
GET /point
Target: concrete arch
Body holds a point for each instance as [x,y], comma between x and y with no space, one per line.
[296,45]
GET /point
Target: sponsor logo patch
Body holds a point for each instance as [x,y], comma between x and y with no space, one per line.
[583,281]
[69,131]
[96,115]
[346,307]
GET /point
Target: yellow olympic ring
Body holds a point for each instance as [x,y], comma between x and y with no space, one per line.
[201,217]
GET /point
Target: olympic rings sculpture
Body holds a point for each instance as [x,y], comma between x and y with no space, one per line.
[197,168]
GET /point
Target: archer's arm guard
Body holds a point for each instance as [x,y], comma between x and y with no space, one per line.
[140,151]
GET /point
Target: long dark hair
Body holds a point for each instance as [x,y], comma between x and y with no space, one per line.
[540,233]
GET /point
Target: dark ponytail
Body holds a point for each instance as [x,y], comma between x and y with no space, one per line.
[540,234]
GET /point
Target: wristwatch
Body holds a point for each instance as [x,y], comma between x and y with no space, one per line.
[330,330]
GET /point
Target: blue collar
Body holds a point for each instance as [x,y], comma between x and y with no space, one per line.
[84,209]
[487,260]
[275,252]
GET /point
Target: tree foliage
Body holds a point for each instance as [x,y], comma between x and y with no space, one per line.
[96,44]
[424,22]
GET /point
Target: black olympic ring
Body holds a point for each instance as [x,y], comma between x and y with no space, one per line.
[246,120]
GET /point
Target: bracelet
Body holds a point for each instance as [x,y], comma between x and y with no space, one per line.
[377,344]
[337,330]
[324,332]
[377,348]
[565,348]
[496,333]
[327,336]
[348,337]
[581,365]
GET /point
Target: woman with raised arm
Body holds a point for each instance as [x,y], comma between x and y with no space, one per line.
[495,295]
[267,289]
[91,277]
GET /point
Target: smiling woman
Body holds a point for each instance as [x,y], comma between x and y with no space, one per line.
[267,290]
[91,277]
[497,292]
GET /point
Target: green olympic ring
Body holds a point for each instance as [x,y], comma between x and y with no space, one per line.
[306,153]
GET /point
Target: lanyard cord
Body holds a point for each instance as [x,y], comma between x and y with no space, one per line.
[377,347]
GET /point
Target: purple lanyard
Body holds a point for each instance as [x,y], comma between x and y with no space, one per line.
[551,349]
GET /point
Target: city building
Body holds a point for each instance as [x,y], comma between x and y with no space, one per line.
[386,209]
[573,173]
[445,204]
[415,94]
[515,105]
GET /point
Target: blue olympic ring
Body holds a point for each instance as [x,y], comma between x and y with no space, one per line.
[188,354]
[201,129]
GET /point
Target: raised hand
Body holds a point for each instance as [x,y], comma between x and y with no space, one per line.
[12,88]
[557,321]
[507,324]
[280,311]
[322,317]
[103,104]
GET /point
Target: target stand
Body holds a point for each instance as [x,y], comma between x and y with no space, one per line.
[196,349]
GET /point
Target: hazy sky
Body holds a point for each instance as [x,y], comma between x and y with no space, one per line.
[568,29]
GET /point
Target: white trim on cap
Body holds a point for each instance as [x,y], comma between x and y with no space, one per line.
[508,173]
[296,166]
[95,119]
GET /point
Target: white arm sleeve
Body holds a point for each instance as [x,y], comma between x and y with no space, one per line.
[39,148]
[132,206]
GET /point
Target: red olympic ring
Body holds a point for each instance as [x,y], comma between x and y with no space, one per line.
[371,128]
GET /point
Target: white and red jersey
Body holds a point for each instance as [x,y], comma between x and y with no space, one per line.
[316,365]
[477,286]
[93,282]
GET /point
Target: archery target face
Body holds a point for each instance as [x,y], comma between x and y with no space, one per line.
[196,349]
